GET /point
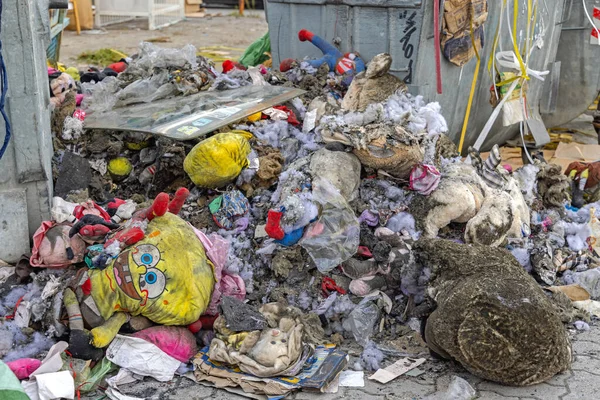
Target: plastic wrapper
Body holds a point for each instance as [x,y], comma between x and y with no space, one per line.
[142,358]
[146,90]
[232,80]
[588,280]
[80,369]
[361,321]
[101,96]
[218,160]
[97,374]
[459,389]
[153,56]
[334,237]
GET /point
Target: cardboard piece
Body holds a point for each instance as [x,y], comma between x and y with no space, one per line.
[400,367]
[566,153]
[459,16]
[86,16]
[578,152]
[319,372]
[192,6]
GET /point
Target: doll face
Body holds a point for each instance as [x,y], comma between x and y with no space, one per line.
[273,343]
[141,279]
[62,84]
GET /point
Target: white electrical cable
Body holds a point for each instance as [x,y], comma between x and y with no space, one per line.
[499,44]
[590,19]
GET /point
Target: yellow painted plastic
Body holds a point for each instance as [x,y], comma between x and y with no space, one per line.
[255,117]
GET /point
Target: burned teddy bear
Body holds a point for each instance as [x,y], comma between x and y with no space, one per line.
[491,316]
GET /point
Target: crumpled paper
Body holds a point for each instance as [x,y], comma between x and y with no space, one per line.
[142,358]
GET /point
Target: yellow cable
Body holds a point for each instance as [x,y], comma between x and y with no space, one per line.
[495,46]
[472,94]
[514,39]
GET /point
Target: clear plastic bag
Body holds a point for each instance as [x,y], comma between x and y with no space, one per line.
[334,237]
[147,90]
[152,56]
[101,96]
[459,389]
[361,321]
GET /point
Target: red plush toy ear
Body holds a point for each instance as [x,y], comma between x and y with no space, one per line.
[177,203]
[118,67]
[159,207]
[130,236]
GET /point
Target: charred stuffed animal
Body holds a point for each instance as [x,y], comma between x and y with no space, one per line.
[491,316]
[462,196]
[552,186]
[375,85]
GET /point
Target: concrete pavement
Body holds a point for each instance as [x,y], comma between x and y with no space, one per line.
[581,382]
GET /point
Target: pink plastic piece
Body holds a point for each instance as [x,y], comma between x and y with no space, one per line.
[176,341]
[24,367]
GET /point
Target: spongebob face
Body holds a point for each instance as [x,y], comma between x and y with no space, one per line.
[151,283]
[165,277]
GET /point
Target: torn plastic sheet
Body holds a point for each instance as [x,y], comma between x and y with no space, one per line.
[191,117]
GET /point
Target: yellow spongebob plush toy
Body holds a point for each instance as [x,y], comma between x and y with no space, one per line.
[165,276]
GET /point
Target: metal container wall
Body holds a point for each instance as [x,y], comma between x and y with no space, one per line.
[404,28]
[577,84]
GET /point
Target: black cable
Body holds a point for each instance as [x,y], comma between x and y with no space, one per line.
[3,90]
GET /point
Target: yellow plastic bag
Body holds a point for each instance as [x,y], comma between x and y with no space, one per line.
[165,277]
[218,160]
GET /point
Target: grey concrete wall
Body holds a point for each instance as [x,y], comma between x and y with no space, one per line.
[25,169]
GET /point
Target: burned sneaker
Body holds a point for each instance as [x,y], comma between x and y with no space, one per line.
[381,252]
[357,269]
